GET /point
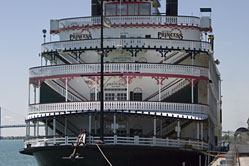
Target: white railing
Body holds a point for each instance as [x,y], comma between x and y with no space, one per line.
[61,91]
[120,20]
[161,107]
[118,140]
[118,68]
[127,42]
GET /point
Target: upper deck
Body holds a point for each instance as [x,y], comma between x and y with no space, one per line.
[131,14]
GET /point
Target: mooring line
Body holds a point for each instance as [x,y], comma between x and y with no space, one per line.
[103,155]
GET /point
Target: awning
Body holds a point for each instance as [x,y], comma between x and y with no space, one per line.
[193,116]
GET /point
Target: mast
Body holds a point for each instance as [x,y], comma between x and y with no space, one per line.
[102,77]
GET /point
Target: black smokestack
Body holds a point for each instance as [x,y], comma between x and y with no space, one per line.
[171,7]
[95,8]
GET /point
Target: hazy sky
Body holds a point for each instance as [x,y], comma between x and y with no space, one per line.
[20,39]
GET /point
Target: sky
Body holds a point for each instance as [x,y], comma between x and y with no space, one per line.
[21,37]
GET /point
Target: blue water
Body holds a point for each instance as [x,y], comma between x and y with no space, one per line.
[10,156]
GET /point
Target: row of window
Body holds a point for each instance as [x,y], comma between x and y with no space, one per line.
[130,9]
[119,96]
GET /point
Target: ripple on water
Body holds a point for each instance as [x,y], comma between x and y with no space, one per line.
[10,156]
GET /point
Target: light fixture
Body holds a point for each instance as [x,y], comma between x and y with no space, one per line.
[44,31]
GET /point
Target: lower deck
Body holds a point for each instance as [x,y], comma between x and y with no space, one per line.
[117,155]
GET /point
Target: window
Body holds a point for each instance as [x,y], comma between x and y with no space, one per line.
[147,36]
[144,9]
[123,9]
[110,10]
[133,9]
[136,95]
[121,96]
[122,36]
[109,96]
[92,96]
[128,8]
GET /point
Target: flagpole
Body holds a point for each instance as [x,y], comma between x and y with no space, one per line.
[102,77]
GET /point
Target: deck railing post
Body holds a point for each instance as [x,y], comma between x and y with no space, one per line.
[136,140]
[202,131]
[26,126]
[38,127]
[66,140]
[127,88]
[34,123]
[66,84]
[154,126]
[54,130]
[114,123]
[34,93]
[198,130]
[89,124]
[154,140]
[46,128]
[65,126]
[115,139]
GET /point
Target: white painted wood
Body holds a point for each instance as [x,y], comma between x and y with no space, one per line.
[110,140]
[139,42]
[118,68]
[179,20]
[89,124]
[66,82]
[54,130]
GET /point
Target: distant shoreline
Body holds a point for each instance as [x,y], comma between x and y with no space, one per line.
[12,138]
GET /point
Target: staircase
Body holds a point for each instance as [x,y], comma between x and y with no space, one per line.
[174,88]
[68,58]
[169,56]
[71,128]
[176,57]
[168,128]
[168,90]
[58,131]
[60,127]
[60,90]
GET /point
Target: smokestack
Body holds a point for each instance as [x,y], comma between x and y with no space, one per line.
[172,7]
[95,8]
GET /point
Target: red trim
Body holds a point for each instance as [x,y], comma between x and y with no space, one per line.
[194,81]
[64,80]
[129,26]
[93,78]
[157,78]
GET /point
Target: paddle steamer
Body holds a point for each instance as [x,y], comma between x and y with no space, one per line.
[161,88]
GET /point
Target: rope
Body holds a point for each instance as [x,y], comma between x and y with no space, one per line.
[104,155]
[205,153]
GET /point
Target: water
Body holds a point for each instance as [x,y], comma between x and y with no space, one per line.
[10,156]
